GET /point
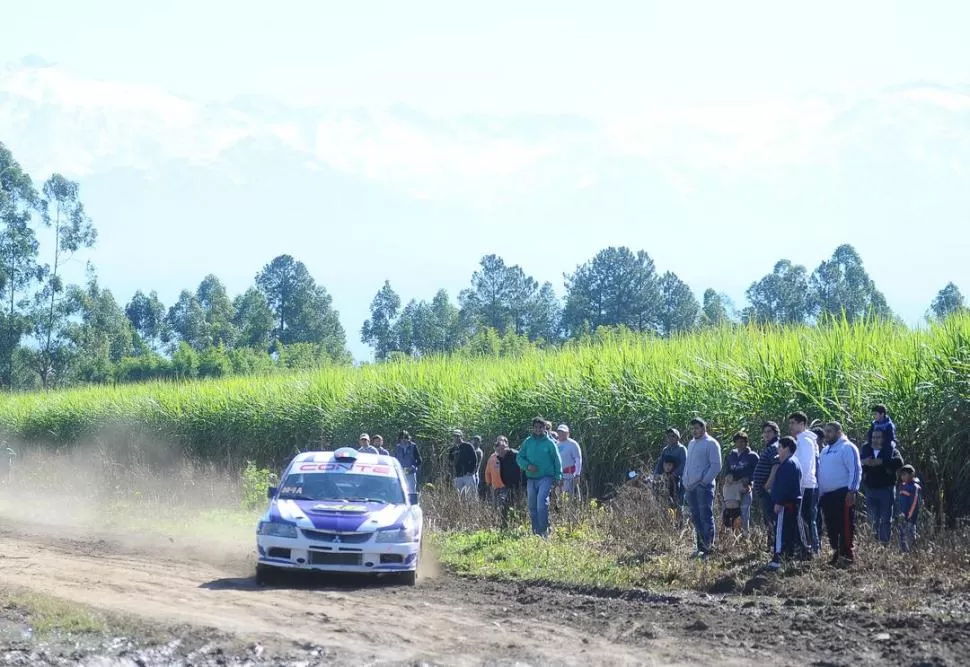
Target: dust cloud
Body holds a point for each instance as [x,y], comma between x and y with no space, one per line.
[141,494]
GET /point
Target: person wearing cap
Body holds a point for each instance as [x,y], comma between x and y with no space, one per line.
[741,464]
[839,477]
[673,452]
[572,460]
[700,472]
[539,458]
[407,453]
[465,461]
[364,446]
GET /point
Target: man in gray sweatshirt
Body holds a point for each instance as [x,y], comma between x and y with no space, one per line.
[700,471]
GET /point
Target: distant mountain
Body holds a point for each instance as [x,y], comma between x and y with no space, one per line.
[180,188]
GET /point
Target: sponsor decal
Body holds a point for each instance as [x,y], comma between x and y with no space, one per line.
[333,466]
[339,508]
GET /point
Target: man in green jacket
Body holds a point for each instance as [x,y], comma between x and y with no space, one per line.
[539,458]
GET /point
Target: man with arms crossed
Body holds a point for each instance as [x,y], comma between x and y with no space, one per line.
[839,476]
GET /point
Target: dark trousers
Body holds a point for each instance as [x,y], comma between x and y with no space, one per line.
[839,522]
[808,520]
[787,539]
[768,513]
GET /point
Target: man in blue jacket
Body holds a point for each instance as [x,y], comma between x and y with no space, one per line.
[881,421]
[786,494]
[407,453]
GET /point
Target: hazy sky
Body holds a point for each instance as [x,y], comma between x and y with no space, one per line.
[499,56]
[604,61]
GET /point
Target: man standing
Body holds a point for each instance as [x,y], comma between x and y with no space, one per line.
[807,455]
[881,462]
[839,475]
[700,470]
[741,464]
[767,462]
[786,493]
[572,461]
[407,454]
[503,476]
[377,442]
[364,446]
[676,453]
[463,457]
[539,458]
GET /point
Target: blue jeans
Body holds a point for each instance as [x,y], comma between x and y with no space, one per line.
[808,520]
[907,535]
[701,501]
[879,506]
[539,490]
[412,480]
[746,502]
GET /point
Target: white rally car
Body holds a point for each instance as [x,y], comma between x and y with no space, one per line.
[342,511]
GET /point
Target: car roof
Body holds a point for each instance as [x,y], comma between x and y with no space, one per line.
[362,457]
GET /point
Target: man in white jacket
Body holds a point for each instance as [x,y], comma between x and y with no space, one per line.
[572,460]
[807,455]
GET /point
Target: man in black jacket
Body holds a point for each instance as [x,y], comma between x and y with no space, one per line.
[880,462]
[462,455]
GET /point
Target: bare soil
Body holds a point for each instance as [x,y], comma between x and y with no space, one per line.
[197,604]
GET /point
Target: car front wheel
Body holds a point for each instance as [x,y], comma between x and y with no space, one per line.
[265,575]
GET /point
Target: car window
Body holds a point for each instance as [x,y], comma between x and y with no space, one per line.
[339,486]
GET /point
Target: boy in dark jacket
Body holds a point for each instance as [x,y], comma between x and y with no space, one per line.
[909,494]
[786,494]
[880,463]
[881,422]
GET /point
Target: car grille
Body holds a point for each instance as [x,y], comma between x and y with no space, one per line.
[329,558]
[331,538]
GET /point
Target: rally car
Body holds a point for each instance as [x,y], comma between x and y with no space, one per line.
[342,511]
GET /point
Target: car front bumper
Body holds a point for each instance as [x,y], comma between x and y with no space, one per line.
[328,555]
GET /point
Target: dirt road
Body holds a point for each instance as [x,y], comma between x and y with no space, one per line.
[443,620]
[205,591]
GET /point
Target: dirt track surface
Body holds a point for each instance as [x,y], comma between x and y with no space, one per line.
[209,597]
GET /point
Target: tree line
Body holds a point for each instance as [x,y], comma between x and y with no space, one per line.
[505,309]
[54,334]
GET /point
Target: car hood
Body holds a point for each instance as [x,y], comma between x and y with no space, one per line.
[341,516]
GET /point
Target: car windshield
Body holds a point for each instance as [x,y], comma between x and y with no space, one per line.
[342,486]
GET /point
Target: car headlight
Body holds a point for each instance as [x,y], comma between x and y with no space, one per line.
[397,535]
[274,529]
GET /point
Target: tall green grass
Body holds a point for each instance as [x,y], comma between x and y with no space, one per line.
[618,393]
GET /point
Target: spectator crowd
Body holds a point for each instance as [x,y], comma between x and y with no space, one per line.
[802,485]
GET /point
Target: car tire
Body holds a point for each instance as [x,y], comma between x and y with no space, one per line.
[265,575]
[409,578]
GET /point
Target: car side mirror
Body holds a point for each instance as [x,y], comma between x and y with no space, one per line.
[271,491]
[414,498]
